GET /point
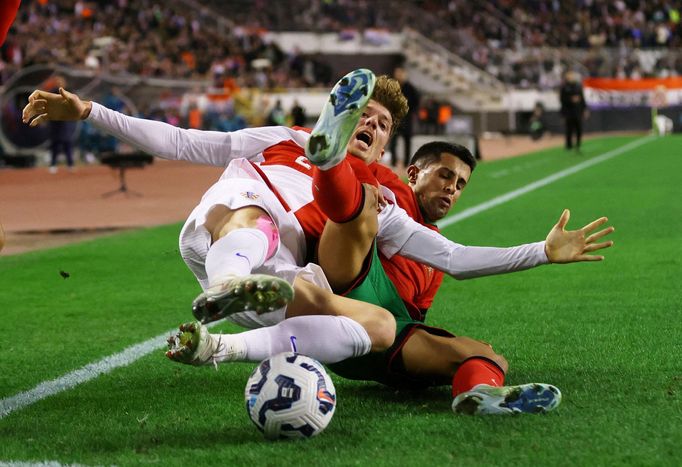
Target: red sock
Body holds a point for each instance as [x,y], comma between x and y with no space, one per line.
[8,10]
[474,371]
[338,190]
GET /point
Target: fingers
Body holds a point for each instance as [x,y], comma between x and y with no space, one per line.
[596,236]
[563,220]
[38,120]
[589,258]
[37,95]
[594,224]
[69,96]
[38,106]
[597,246]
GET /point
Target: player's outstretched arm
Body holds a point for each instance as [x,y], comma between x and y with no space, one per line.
[44,106]
[400,234]
[160,139]
[570,246]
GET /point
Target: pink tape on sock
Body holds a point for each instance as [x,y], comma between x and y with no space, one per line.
[265,225]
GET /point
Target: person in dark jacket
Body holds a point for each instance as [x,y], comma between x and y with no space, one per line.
[573,109]
[407,127]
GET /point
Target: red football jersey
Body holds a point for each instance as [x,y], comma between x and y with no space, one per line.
[417,283]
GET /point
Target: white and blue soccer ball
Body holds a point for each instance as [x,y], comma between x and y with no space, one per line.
[290,396]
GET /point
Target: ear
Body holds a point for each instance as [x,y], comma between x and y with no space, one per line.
[412,172]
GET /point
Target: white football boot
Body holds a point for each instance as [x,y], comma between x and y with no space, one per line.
[195,345]
[530,398]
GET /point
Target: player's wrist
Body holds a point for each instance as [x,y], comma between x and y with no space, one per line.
[547,255]
[87,108]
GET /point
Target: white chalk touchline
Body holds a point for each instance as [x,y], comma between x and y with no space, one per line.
[36,464]
[84,374]
[540,183]
[135,352]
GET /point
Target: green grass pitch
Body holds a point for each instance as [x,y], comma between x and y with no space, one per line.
[608,334]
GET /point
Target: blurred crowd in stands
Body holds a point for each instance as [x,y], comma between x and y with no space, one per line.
[528,43]
[523,42]
[150,39]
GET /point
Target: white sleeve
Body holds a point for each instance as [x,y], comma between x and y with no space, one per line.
[203,147]
[400,234]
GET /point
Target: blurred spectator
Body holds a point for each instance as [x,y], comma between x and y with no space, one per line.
[537,122]
[61,134]
[229,121]
[444,116]
[406,128]
[429,116]
[573,109]
[195,117]
[276,116]
[89,142]
[297,114]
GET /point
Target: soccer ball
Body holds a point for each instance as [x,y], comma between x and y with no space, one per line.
[290,396]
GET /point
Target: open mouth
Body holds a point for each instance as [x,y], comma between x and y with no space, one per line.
[365,137]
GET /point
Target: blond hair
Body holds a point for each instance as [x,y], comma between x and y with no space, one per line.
[387,93]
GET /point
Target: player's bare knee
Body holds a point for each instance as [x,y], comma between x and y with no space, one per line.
[381,329]
[501,362]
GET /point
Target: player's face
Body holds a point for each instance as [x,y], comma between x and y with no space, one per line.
[439,185]
[372,133]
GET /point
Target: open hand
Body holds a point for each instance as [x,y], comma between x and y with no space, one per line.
[569,246]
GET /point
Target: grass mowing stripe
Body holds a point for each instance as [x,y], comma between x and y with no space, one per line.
[540,183]
[84,374]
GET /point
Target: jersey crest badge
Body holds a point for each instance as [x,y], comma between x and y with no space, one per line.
[250,195]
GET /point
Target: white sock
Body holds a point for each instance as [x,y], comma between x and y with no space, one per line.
[328,339]
[236,254]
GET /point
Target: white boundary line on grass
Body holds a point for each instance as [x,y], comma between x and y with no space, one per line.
[135,352]
[84,374]
[36,464]
[542,182]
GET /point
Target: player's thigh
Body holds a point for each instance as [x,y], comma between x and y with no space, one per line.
[310,299]
[344,247]
[234,202]
[429,354]
[221,219]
